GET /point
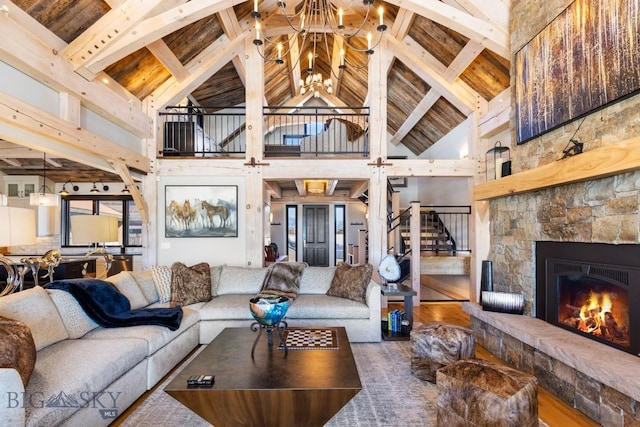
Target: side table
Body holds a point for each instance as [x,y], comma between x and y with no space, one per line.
[408,294]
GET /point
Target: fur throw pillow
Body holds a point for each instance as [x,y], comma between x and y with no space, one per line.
[283,279]
[190,285]
[17,348]
[351,282]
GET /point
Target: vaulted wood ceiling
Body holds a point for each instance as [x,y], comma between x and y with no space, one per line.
[447,58]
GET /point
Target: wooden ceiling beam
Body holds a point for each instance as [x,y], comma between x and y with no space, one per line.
[168,59]
[203,66]
[20,115]
[491,36]
[452,92]
[416,115]
[302,190]
[12,162]
[494,11]
[274,189]
[152,28]
[402,23]
[358,189]
[109,28]
[467,55]
[30,54]
[126,177]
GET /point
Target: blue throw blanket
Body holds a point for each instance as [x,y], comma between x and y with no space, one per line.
[103,302]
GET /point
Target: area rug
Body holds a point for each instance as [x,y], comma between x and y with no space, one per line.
[390,395]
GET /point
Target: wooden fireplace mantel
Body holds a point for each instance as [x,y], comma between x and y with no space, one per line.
[597,163]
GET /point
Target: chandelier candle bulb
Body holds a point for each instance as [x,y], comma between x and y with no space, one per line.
[380,12]
[279,50]
[340,12]
[341,57]
[255,5]
[368,41]
[310,61]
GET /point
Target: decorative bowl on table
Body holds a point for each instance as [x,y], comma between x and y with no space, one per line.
[269,310]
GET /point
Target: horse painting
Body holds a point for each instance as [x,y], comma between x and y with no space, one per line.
[201,211]
[216,210]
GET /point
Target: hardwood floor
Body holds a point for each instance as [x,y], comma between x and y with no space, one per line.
[551,409]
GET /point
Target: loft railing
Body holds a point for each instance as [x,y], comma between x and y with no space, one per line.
[316,131]
[190,131]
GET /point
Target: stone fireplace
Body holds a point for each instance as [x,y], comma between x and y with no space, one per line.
[589,289]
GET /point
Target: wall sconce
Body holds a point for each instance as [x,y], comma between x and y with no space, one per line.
[126,190]
[497,162]
[95,189]
[64,191]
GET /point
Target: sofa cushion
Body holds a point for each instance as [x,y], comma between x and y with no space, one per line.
[34,308]
[316,280]
[190,284]
[127,285]
[76,321]
[241,280]
[17,349]
[155,337]
[75,369]
[162,279]
[326,307]
[351,281]
[147,285]
[227,307]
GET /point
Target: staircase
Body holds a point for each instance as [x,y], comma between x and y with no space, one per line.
[434,236]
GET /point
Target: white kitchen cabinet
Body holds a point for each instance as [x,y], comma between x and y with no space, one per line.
[18,189]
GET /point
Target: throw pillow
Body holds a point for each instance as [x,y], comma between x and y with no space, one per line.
[162,279]
[76,321]
[190,285]
[17,348]
[351,282]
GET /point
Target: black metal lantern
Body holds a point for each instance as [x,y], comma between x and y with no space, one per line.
[498,162]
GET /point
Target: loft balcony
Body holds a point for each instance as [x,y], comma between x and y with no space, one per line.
[220,132]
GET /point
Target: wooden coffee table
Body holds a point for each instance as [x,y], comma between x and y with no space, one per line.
[303,388]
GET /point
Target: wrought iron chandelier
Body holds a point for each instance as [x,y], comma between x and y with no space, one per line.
[310,23]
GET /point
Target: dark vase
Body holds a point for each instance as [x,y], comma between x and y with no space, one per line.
[486,277]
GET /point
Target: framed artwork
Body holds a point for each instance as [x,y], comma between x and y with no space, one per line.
[586,58]
[201,211]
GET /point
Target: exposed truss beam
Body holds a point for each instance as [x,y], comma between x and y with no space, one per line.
[19,115]
[31,54]
[456,94]
[489,35]
[147,30]
[203,66]
[111,26]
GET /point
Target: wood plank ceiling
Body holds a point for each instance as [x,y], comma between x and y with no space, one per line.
[439,72]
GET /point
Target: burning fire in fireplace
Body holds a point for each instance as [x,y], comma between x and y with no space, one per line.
[596,317]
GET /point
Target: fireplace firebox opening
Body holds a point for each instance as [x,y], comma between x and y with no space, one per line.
[590,289]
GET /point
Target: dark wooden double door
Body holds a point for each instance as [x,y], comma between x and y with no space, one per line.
[316,235]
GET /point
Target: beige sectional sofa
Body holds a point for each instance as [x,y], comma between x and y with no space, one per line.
[87,375]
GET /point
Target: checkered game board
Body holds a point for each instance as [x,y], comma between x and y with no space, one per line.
[310,339]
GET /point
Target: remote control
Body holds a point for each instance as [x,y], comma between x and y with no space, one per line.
[200,381]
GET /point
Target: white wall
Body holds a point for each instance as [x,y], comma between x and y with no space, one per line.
[18,85]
